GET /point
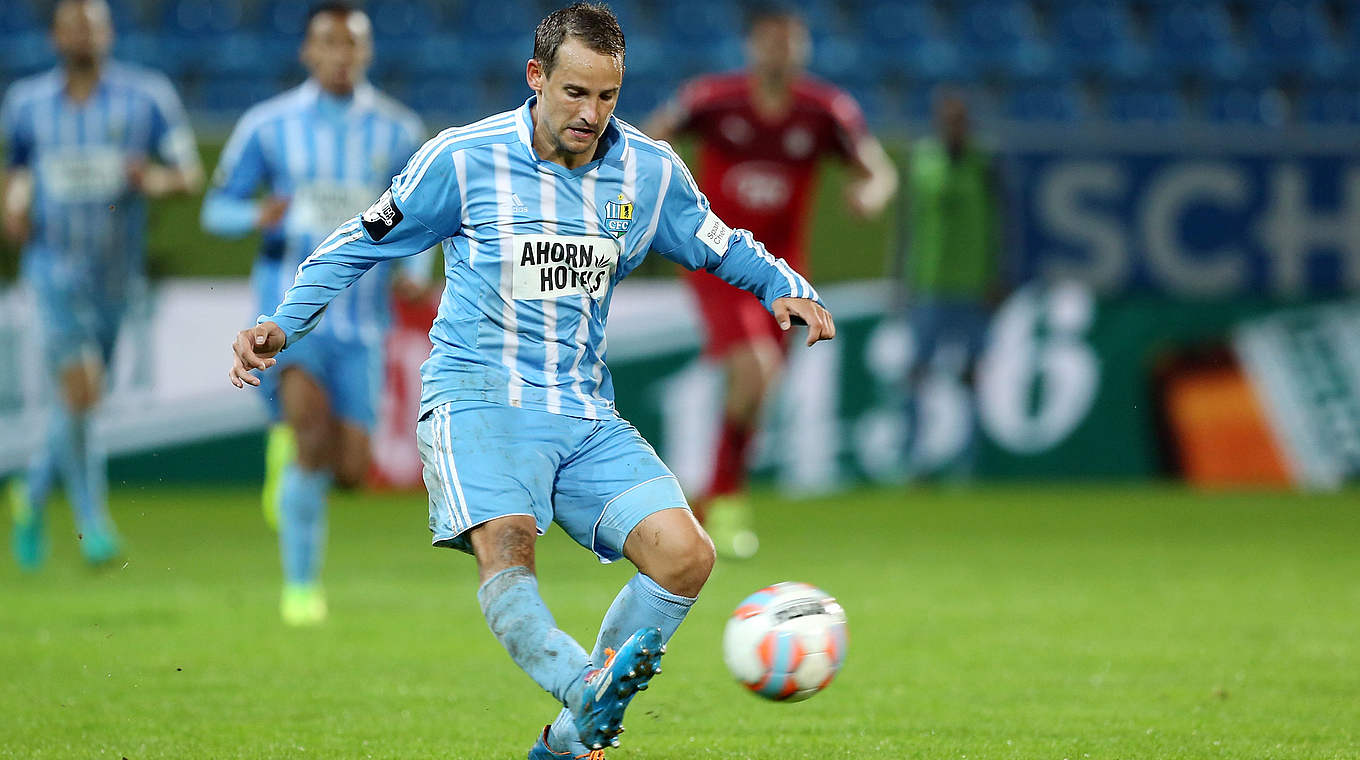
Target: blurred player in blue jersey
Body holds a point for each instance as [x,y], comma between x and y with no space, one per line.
[88,143]
[321,152]
[542,211]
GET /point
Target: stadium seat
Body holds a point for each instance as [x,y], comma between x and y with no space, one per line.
[19,19]
[1247,105]
[202,18]
[283,18]
[1146,105]
[1098,38]
[906,39]
[401,21]
[230,96]
[1045,102]
[1332,106]
[1195,38]
[25,53]
[1003,37]
[703,22]
[246,54]
[1293,37]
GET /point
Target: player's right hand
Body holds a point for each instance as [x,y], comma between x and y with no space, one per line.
[272,211]
[16,227]
[255,349]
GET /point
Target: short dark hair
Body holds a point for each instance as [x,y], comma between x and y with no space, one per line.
[338,7]
[591,23]
[758,13]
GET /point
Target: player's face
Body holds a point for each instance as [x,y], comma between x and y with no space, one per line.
[778,46]
[951,118]
[82,32]
[576,100]
[338,49]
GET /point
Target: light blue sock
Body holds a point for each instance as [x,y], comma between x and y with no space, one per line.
[642,603]
[525,627]
[302,523]
[43,468]
[77,460]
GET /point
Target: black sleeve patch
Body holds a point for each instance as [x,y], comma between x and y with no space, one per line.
[381,217]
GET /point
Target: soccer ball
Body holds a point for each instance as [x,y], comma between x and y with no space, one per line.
[786,642]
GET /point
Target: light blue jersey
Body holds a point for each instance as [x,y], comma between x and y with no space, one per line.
[532,252]
[330,157]
[88,242]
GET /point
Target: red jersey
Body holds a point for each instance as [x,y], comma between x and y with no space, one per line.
[759,173]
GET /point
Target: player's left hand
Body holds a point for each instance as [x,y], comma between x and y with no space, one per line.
[865,199]
[153,180]
[820,325]
[255,348]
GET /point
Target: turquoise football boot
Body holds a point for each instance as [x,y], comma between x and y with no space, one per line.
[541,751]
[609,688]
[100,547]
[29,539]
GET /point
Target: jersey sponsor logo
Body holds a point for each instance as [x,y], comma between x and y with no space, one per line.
[318,208]
[83,174]
[618,215]
[762,186]
[715,234]
[736,130]
[516,205]
[553,266]
[381,217]
[798,142]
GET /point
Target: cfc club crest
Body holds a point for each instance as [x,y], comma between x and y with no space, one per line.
[618,215]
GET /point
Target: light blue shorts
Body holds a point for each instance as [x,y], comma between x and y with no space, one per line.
[596,478]
[350,371]
[75,323]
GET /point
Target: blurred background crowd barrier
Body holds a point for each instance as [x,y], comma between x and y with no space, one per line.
[1182,240]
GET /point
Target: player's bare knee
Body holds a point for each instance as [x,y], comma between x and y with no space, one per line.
[353,456]
[686,563]
[352,469]
[503,543]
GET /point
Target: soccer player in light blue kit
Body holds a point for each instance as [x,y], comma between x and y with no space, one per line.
[322,151]
[87,143]
[543,210]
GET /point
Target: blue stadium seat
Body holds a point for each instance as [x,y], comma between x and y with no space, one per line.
[1331,106]
[25,53]
[918,101]
[1048,102]
[165,52]
[906,39]
[202,18]
[1293,37]
[19,17]
[702,22]
[1196,38]
[1247,105]
[246,54]
[441,55]
[401,21]
[1098,38]
[284,18]
[1145,105]
[231,96]
[1003,36]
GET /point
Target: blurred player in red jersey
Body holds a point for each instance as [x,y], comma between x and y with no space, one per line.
[761,134]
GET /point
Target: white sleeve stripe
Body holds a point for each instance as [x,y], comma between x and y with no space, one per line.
[438,140]
[660,199]
[346,233]
[426,155]
[450,144]
[779,265]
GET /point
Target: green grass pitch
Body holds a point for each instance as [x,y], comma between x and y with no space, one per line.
[1003,622]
